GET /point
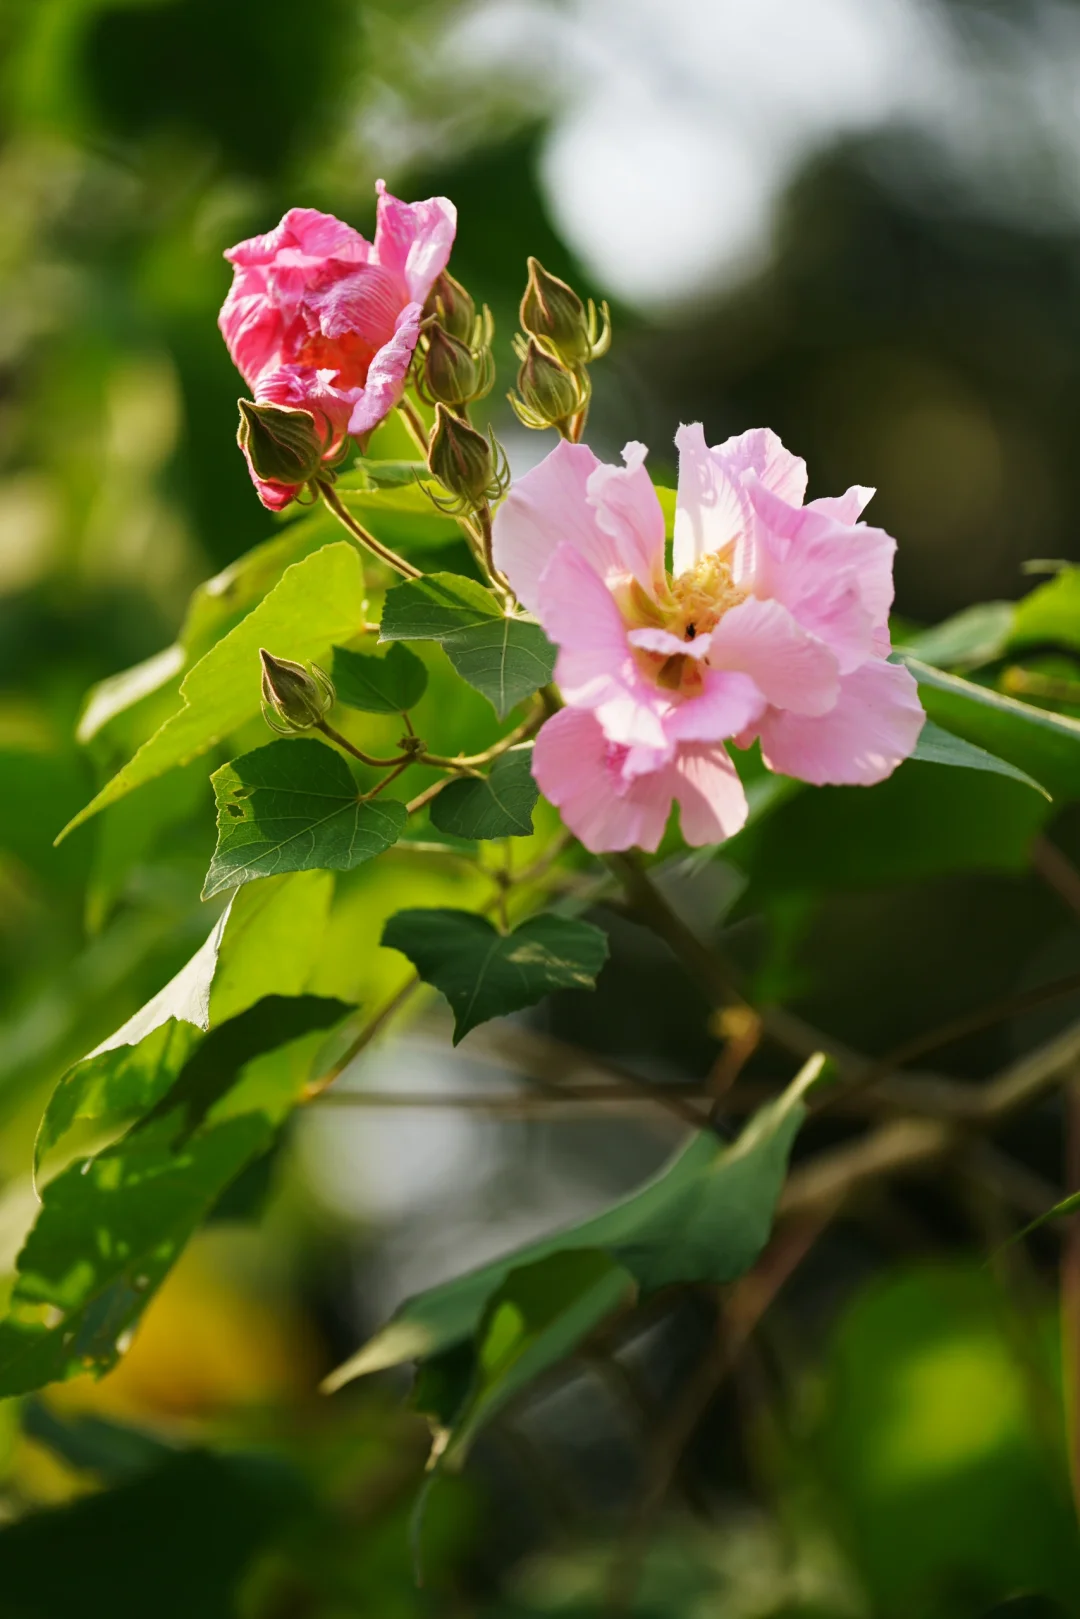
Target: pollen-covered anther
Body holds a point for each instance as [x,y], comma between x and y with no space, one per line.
[702,595]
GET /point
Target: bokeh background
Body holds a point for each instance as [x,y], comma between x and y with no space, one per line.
[857,221]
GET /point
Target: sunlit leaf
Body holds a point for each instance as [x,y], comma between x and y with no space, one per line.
[484,973]
[505,658]
[1046,746]
[498,805]
[1050,614]
[318,602]
[295,806]
[977,635]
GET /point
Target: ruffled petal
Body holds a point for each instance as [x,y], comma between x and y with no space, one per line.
[846,508]
[727,705]
[760,452]
[873,727]
[835,579]
[663,642]
[579,771]
[788,665]
[712,803]
[711,509]
[628,510]
[302,231]
[413,239]
[385,382]
[550,506]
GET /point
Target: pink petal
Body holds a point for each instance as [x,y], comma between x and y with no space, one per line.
[790,667]
[846,508]
[366,301]
[712,803]
[385,382]
[874,726]
[596,668]
[727,705]
[760,451]
[580,772]
[628,510]
[836,580]
[664,642]
[711,509]
[303,231]
[252,328]
[413,239]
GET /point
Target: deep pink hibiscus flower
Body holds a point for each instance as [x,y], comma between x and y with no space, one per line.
[320,319]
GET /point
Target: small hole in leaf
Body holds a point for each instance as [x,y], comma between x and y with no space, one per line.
[235,811]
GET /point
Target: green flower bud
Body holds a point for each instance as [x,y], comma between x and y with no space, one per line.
[463,460]
[548,392]
[552,312]
[451,306]
[453,373]
[281,445]
[294,698]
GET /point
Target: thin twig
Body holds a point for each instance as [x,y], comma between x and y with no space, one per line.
[357,753]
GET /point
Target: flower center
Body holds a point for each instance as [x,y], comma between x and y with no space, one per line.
[701,596]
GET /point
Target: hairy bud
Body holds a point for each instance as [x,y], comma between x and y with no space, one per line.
[281,445]
[293,698]
[466,463]
[549,393]
[453,373]
[553,313]
[452,307]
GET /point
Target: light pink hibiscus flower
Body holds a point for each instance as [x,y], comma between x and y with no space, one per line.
[773,623]
[319,319]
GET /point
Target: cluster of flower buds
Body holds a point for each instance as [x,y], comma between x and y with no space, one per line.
[294,698]
[469,464]
[454,365]
[562,336]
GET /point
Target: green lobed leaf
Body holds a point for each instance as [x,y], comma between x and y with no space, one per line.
[127,1072]
[705,1217]
[375,685]
[111,1226]
[1046,746]
[505,658]
[1050,614]
[317,602]
[498,805]
[484,973]
[939,747]
[538,1316]
[975,636]
[295,806]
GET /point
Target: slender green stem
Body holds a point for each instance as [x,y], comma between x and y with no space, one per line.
[472,761]
[414,423]
[367,540]
[400,760]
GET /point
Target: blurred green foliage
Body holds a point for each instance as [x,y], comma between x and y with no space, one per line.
[893,1441]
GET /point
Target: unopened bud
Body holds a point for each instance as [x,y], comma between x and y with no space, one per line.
[548,392]
[463,460]
[552,312]
[293,698]
[281,444]
[452,307]
[454,373]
